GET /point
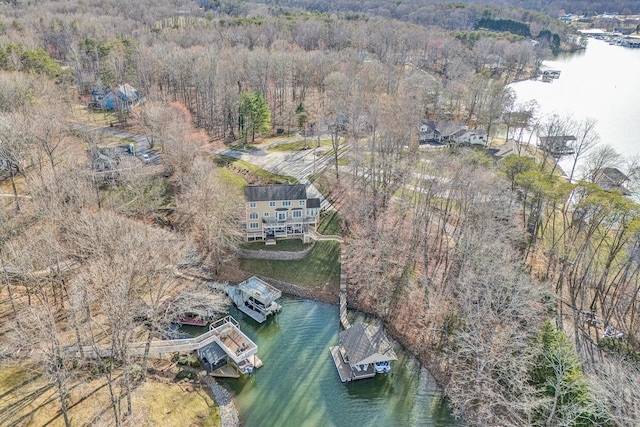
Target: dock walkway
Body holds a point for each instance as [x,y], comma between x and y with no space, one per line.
[343,295]
[225,332]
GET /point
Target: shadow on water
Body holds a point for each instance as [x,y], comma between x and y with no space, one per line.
[299,385]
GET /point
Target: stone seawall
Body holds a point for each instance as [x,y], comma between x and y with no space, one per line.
[275,255]
[302,292]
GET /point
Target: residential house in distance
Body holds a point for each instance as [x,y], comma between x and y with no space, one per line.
[124,97]
[611,179]
[279,211]
[473,137]
[441,132]
[453,134]
[557,145]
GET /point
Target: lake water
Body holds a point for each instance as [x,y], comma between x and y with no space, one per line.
[299,385]
[602,82]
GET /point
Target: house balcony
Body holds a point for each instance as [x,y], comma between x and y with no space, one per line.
[289,221]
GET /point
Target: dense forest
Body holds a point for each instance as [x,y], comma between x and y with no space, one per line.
[516,287]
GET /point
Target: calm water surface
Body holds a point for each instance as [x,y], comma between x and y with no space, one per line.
[299,385]
[602,82]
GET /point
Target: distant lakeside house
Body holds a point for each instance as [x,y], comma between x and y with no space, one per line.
[557,145]
[279,211]
[450,133]
[611,179]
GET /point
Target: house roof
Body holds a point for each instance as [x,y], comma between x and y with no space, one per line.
[213,353]
[450,128]
[128,92]
[313,203]
[262,193]
[365,343]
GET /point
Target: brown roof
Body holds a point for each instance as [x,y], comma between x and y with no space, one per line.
[365,343]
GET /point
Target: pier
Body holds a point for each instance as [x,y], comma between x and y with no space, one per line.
[364,349]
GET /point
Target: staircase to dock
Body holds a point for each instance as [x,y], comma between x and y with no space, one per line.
[218,333]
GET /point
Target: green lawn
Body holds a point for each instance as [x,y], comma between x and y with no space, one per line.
[227,160]
[300,145]
[228,176]
[321,266]
[239,146]
[289,245]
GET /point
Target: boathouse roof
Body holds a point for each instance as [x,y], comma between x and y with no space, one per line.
[262,193]
[365,343]
[260,289]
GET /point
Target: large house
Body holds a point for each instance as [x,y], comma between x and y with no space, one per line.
[279,211]
[440,132]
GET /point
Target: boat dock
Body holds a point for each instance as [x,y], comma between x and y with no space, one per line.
[225,334]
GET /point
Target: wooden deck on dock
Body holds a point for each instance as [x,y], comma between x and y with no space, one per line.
[344,370]
[226,371]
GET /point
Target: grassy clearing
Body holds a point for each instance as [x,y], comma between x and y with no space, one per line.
[232,178]
[319,268]
[29,399]
[170,405]
[255,170]
[156,194]
[83,114]
[289,245]
[300,145]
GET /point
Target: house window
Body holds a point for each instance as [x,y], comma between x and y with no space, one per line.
[297,213]
[286,203]
[301,203]
[254,225]
[282,216]
[253,215]
[252,205]
[266,214]
[272,204]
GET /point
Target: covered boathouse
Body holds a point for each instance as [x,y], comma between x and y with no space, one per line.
[255,298]
[363,350]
